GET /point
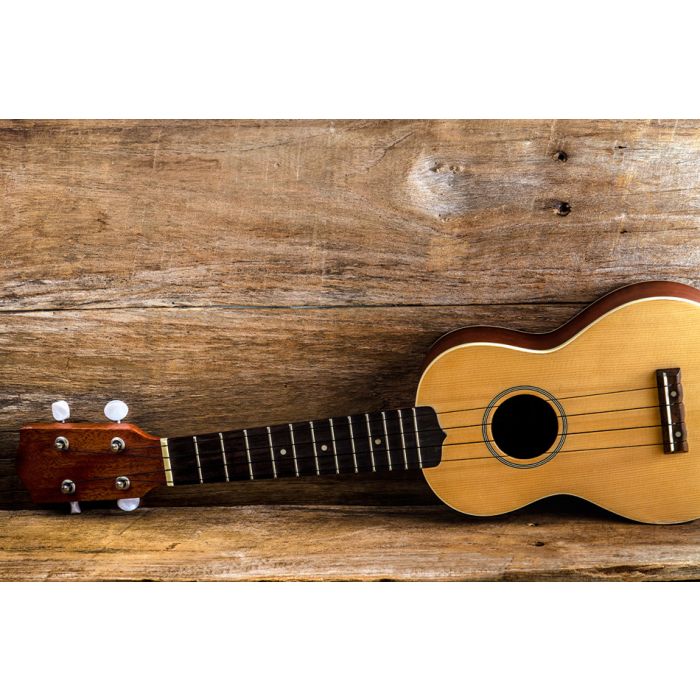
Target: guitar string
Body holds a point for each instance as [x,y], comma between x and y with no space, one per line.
[446,428]
[159,471]
[265,450]
[464,410]
[559,399]
[201,440]
[159,482]
[396,434]
[214,439]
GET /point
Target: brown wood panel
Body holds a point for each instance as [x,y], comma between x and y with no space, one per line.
[552,541]
[134,214]
[184,371]
[103,223]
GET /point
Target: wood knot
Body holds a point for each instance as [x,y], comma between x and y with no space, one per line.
[558,206]
[561,156]
[562,208]
[438,167]
[440,187]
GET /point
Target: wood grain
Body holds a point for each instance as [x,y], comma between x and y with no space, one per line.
[552,541]
[217,273]
[133,214]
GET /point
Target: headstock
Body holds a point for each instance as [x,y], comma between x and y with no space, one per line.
[64,462]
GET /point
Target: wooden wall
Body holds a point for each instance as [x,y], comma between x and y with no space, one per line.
[222,274]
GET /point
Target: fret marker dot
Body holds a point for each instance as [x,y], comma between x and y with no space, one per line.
[324,447]
[283,452]
[678,433]
[377,442]
[674,394]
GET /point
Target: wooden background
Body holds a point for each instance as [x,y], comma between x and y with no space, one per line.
[222,274]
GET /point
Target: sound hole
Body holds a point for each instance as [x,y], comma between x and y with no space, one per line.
[524,426]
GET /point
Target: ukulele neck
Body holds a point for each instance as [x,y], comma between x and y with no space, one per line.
[396,440]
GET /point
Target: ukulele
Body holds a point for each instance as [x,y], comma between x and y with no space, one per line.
[604,408]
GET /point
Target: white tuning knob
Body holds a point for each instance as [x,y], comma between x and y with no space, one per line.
[116,410]
[128,503]
[60,410]
[75,507]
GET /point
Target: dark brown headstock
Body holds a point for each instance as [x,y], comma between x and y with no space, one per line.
[69,462]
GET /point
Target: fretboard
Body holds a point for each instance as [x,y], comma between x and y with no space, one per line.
[397,440]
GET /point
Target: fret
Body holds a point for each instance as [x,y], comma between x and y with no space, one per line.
[262,459]
[394,452]
[272,453]
[352,444]
[343,458]
[386,437]
[166,462]
[282,451]
[409,438]
[323,442]
[403,439]
[234,451]
[369,442]
[376,442]
[303,448]
[335,446]
[415,423]
[209,458]
[313,444]
[223,456]
[196,454]
[363,455]
[247,451]
[183,465]
[294,450]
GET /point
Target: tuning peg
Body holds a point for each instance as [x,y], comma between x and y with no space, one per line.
[60,411]
[74,507]
[116,410]
[128,503]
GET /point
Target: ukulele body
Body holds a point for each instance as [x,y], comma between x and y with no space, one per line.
[577,411]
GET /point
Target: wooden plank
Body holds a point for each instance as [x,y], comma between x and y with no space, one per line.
[114,220]
[184,371]
[177,213]
[342,543]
